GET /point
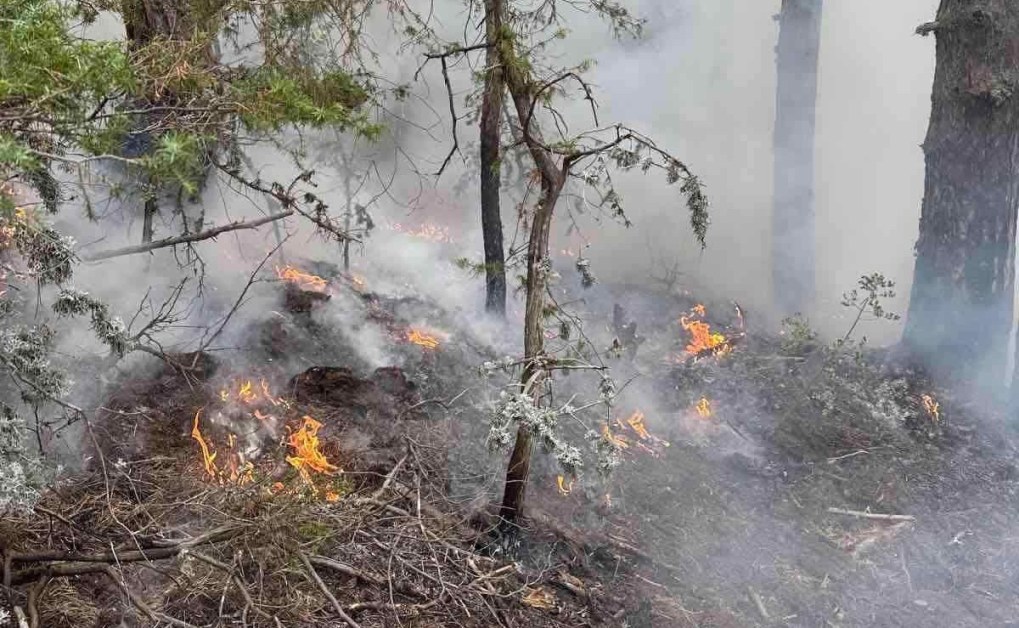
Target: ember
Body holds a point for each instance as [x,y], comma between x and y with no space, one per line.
[702,339]
[306,281]
[703,408]
[307,457]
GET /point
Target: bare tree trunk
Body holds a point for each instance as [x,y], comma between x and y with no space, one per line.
[553,178]
[960,313]
[144,20]
[491,167]
[149,214]
[793,203]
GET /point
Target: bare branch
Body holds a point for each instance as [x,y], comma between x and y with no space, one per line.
[184,239]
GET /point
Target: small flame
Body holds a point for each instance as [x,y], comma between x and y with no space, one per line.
[565,488]
[306,281]
[636,423]
[332,496]
[208,458]
[932,407]
[422,339]
[618,441]
[702,339]
[703,408]
[307,457]
[245,391]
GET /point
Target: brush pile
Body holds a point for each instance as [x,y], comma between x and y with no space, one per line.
[147,536]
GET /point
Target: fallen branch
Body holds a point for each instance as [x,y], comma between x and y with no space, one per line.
[325,590]
[184,239]
[139,604]
[871,515]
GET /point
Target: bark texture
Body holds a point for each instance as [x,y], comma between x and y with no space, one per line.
[145,20]
[491,169]
[553,178]
[793,204]
[960,312]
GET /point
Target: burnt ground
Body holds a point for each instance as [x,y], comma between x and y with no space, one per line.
[729,525]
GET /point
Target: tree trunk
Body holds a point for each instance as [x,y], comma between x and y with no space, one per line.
[491,168]
[960,312]
[145,20]
[553,178]
[149,214]
[793,203]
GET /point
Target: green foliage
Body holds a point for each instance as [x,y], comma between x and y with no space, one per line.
[109,330]
[866,300]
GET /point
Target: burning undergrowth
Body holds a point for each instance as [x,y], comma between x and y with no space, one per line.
[804,483]
[762,479]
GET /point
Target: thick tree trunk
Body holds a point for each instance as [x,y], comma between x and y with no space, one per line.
[793,203]
[491,168]
[960,313]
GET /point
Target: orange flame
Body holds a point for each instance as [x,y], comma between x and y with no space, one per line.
[422,339]
[306,281]
[932,407]
[702,339]
[636,423]
[565,488]
[245,392]
[703,408]
[307,456]
[208,459]
[618,441]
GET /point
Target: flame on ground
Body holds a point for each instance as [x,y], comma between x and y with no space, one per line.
[702,339]
[247,392]
[617,441]
[208,458]
[422,339]
[932,407]
[565,488]
[703,408]
[636,423]
[306,281]
[307,456]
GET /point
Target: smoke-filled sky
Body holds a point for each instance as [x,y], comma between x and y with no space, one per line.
[702,84]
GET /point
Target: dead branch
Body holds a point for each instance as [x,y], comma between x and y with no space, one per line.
[325,590]
[71,564]
[139,604]
[871,515]
[187,238]
[240,299]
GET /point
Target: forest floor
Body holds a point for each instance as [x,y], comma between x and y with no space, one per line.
[816,486]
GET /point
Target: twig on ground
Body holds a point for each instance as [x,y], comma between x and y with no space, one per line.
[759,603]
[871,515]
[325,590]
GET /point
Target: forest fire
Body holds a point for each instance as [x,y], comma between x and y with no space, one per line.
[702,339]
[236,471]
[703,408]
[565,487]
[932,408]
[246,392]
[619,442]
[304,280]
[422,338]
[307,456]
